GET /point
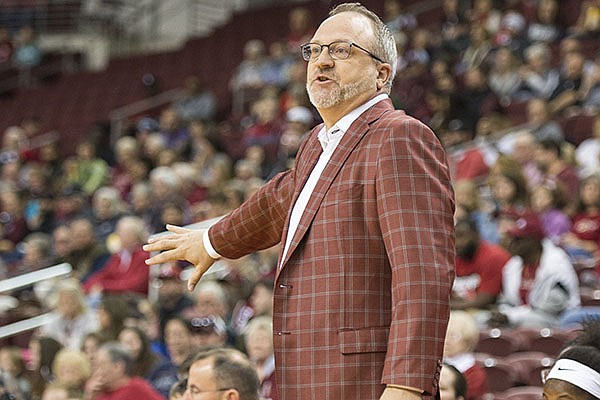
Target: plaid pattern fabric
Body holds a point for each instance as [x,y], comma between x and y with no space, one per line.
[362,297]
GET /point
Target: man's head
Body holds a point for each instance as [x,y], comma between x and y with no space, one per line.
[113,363]
[453,385]
[208,330]
[222,374]
[360,64]
[467,239]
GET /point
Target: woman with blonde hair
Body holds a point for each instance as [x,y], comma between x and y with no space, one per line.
[73,318]
[71,369]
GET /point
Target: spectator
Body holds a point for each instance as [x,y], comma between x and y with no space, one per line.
[479,267]
[146,364]
[540,122]
[545,28]
[249,75]
[469,205]
[453,385]
[73,318]
[12,362]
[86,170]
[566,93]
[588,22]
[504,78]
[588,152]
[107,209]
[70,204]
[208,331]
[209,299]
[483,13]
[461,339]
[548,200]
[125,271]
[27,54]
[478,50]
[538,79]
[172,294]
[178,338]
[56,391]
[398,19]
[12,220]
[509,187]
[127,152]
[300,28]
[196,101]
[278,64]
[582,243]
[550,159]
[42,351]
[112,313]
[173,131]
[224,370]
[88,254]
[266,129]
[112,378]
[258,341]
[178,389]
[539,281]
[72,369]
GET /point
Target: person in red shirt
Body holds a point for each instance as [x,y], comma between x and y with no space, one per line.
[125,271]
[112,377]
[478,268]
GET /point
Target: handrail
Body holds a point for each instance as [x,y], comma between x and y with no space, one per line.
[34,277]
[27,324]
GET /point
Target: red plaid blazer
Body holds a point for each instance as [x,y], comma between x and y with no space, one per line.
[361,299]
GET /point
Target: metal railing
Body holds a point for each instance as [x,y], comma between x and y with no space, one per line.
[25,280]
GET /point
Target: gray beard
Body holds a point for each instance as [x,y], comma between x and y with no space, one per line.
[324,99]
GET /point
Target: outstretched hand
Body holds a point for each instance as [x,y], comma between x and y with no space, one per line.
[181,244]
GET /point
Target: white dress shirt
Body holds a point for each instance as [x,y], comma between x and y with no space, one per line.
[329,141]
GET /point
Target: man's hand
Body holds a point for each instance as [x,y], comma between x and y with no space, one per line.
[182,244]
[399,394]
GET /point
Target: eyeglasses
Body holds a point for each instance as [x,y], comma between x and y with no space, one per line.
[194,391]
[337,50]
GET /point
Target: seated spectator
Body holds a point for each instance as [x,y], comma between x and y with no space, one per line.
[259,304]
[258,341]
[208,331]
[548,200]
[483,13]
[504,78]
[511,31]
[107,209]
[12,221]
[88,254]
[479,267]
[112,377]
[71,369]
[540,122]
[461,338]
[86,170]
[588,22]
[453,385]
[196,101]
[42,351]
[590,87]
[538,78]
[172,294]
[57,391]
[112,313]
[70,203]
[539,281]
[567,94]
[278,64]
[266,129]
[509,187]
[248,77]
[587,152]
[127,151]
[551,160]
[300,28]
[545,29]
[146,364]
[73,318]
[469,205]
[226,369]
[478,50]
[126,270]
[178,338]
[174,132]
[12,362]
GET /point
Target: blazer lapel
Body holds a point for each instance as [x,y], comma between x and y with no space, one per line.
[350,140]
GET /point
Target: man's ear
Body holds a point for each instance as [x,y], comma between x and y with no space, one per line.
[232,394]
[384,74]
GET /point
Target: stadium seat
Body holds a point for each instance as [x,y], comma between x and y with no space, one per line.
[521,393]
[545,340]
[500,374]
[529,365]
[498,342]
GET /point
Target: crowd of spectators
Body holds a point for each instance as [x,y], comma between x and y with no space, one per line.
[527,215]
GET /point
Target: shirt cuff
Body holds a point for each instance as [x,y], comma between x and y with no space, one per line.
[209,247]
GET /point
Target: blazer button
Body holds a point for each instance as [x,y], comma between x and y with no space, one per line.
[282,286]
[280,333]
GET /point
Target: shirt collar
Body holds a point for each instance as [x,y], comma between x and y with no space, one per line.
[344,123]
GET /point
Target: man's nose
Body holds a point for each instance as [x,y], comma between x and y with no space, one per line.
[324,58]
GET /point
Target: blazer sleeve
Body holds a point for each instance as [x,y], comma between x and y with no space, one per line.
[415,206]
[258,223]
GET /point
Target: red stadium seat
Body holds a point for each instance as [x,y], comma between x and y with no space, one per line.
[529,365]
[521,393]
[545,340]
[498,342]
[500,374]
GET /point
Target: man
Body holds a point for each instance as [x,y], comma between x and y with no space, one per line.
[221,373]
[478,268]
[538,282]
[112,378]
[366,222]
